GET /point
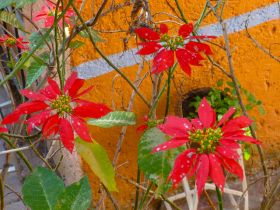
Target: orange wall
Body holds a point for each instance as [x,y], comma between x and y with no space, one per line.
[256,72]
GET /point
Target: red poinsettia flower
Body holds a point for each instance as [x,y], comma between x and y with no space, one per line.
[184,46]
[213,146]
[47,13]
[3,129]
[61,111]
[10,41]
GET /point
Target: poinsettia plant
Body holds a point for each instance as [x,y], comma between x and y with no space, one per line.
[212,145]
[61,111]
[54,108]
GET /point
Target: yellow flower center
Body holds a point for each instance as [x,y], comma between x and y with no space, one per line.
[205,140]
[11,41]
[62,105]
[172,42]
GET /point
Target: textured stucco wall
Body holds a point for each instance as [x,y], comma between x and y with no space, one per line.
[256,71]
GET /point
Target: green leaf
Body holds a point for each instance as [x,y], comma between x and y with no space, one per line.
[16,3]
[97,159]
[22,3]
[76,44]
[117,118]
[94,33]
[157,166]
[246,152]
[10,18]
[220,83]
[261,110]
[75,196]
[231,84]
[41,189]
[36,38]
[36,68]
[6,3]
[27,63]
[251,98]
[248,107]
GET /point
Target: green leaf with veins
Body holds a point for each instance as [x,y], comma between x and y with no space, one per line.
[41,189]
[76,196]
[118,118]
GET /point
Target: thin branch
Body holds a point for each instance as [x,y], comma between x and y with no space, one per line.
[15,192]
[14,150]
[181,11]
[258,45]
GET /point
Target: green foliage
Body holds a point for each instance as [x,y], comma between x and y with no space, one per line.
[10,18]
[221,99]
[97,159]
[43,189]
[117,118]
[76,44]
[156,167]
[36,39]
[15,3]
[75,196]
[247,152]
[94,34]
[36,68]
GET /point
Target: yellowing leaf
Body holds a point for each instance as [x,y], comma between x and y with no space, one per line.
[97,159]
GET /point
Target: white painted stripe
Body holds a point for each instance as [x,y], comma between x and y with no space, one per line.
[99,67]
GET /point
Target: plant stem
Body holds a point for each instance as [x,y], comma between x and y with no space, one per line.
[168,92]
[181,11]
[220,200]
[170,202]
[20,153]
[20,136]
[151,113]
[152,109]
[1,194]
[56,34]
[39,155]
[145,195]
[137,189]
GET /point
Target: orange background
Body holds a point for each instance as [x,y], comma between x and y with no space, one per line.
[256,71]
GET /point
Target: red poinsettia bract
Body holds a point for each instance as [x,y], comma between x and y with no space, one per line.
[213,146]
[3,129]
[184,46]
[47,13]
[10,41]
[60,112]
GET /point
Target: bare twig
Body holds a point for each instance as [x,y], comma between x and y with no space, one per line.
[258,45]
[15,192]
